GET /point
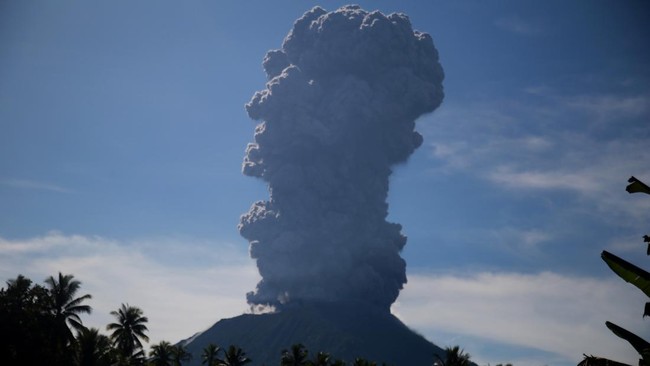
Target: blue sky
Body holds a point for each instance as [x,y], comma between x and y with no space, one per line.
[122,132]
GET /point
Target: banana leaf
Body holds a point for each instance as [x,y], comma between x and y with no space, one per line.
[636,186]
[599,361]
[639,344]
[628,271]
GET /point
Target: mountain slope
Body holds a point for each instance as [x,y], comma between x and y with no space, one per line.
[344,331]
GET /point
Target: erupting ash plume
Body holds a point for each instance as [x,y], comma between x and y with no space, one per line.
[337,113]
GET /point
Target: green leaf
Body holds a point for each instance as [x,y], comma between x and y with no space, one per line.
[599,361]
[637,342]
[636,186]
[628,271]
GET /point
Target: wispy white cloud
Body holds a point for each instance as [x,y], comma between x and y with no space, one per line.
[33,185]
[519,241]
[550,312]
[611,107]
[183,286]
[595,173]
[587,145]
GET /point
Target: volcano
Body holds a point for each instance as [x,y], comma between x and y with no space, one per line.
[345,331]
[337,114]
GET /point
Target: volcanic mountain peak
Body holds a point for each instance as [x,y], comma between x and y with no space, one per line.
[345,331]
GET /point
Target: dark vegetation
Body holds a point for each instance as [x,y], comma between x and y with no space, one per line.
[41,324]
[639,278]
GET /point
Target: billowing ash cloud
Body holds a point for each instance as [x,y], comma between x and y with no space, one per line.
[338,111]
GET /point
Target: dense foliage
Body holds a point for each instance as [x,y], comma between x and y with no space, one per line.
[42,325]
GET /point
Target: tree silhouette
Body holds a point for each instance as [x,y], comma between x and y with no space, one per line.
[25,323]
[297,356]
[320,359]
[65,309]
[128,332]
[64,306]
[180,355]
[235,356]
[210,355]
[162,354]
[454,356]
[599,361]
[93,348]
[19,293]
[363,362]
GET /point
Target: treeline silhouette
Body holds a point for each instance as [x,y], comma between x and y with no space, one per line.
[41,324]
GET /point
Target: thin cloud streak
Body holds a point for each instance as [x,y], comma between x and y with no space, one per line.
[550,312]
[34,185]
[509,177]
[607,107]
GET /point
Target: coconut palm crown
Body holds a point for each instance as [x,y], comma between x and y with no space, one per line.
[129,330]
[63,304]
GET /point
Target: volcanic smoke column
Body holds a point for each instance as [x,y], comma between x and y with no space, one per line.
[337,113]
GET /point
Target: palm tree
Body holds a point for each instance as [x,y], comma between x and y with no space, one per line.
[235,356]
[180,355]
[162,354]
[64,306]
[363,362]
[93,349]
[296,357]
[454,356]
[210,355]
[128,332]
[321,359]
